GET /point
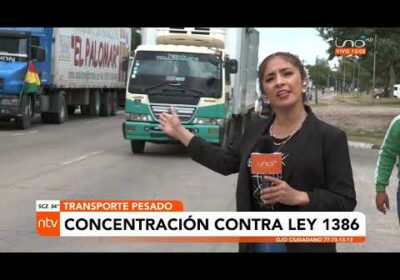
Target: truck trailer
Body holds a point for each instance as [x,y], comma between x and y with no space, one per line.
[53,71]
[208,75]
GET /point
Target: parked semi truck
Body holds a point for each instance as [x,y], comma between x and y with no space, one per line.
[69,67]
[208,75]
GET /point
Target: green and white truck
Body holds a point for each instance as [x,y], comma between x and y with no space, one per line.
[208,75]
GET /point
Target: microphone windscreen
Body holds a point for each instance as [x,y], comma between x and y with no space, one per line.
[265,145]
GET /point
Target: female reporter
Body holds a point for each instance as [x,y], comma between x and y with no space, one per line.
[317,173]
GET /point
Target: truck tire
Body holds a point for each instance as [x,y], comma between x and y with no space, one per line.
[58,117]
[94,103]
[106,104]
[137,146]
[24,121]
[46,117]
[114,107]
[61,115]
[84,110]
[71,109]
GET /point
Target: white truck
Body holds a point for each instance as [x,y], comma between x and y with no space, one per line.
[75,67]
[190,69]
[396,91]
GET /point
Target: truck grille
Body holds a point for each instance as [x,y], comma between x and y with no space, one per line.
[185,112]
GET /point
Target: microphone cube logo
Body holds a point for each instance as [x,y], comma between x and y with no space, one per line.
[267,164]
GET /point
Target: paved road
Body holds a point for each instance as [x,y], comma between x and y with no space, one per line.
[89,159]
[383,231]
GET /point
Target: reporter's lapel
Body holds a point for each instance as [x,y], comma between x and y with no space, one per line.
[255,137]
[296,149]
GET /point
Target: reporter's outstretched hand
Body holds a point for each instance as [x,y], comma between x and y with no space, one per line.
[171,125]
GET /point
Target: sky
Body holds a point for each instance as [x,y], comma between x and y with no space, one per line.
[303,42]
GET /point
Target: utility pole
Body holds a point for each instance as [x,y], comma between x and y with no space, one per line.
[373,73]
[352,81]
[358,77]
[316,88]
[336,85]
[328,81]
[344,75]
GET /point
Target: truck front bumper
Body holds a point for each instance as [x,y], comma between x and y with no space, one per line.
[151,132]
[9,106]
[8,111]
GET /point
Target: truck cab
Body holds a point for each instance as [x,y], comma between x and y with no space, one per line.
[18,48]
[187,69]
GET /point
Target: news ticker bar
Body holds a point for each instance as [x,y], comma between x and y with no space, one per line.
[165,220]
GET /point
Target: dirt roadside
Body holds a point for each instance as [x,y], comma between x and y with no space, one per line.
[361,119]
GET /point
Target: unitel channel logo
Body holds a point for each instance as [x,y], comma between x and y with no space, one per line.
[352,47]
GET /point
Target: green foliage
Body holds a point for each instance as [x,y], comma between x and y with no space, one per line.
[387,67]
[136,38]
[320,72]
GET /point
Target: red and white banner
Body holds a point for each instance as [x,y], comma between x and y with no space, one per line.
[165,220]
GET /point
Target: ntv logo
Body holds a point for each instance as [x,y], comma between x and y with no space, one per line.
[352,47]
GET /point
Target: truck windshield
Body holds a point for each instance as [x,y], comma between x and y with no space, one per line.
[13,49]
[156,72]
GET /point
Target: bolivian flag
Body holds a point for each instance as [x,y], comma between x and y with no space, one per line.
[32,81]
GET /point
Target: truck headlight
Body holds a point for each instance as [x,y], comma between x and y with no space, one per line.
[208,121]
[137,117]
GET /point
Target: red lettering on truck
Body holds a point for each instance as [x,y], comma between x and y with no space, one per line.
[76,42]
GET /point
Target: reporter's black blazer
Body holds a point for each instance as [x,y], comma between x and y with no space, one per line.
[319,164]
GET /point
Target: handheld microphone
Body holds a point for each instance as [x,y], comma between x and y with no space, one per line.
[265,162]
[265,145]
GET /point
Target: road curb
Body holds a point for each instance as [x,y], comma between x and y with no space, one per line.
[363,145]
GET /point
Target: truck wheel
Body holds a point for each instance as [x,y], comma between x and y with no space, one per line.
[46,117]
[71,109]
[114,107]
[24,121]
[60,116]
[137,146]
[84,110]
[106,104]
[94,103]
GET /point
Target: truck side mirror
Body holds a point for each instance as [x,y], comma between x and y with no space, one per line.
[125,63]
[231,66]
[38,53]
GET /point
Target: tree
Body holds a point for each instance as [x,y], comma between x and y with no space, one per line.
[320,72]
[388,57]
[136,38]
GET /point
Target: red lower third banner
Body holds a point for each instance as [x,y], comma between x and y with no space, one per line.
[165,221]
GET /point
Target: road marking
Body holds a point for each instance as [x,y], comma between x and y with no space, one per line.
[81,158]
[30,132]
[90,122]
